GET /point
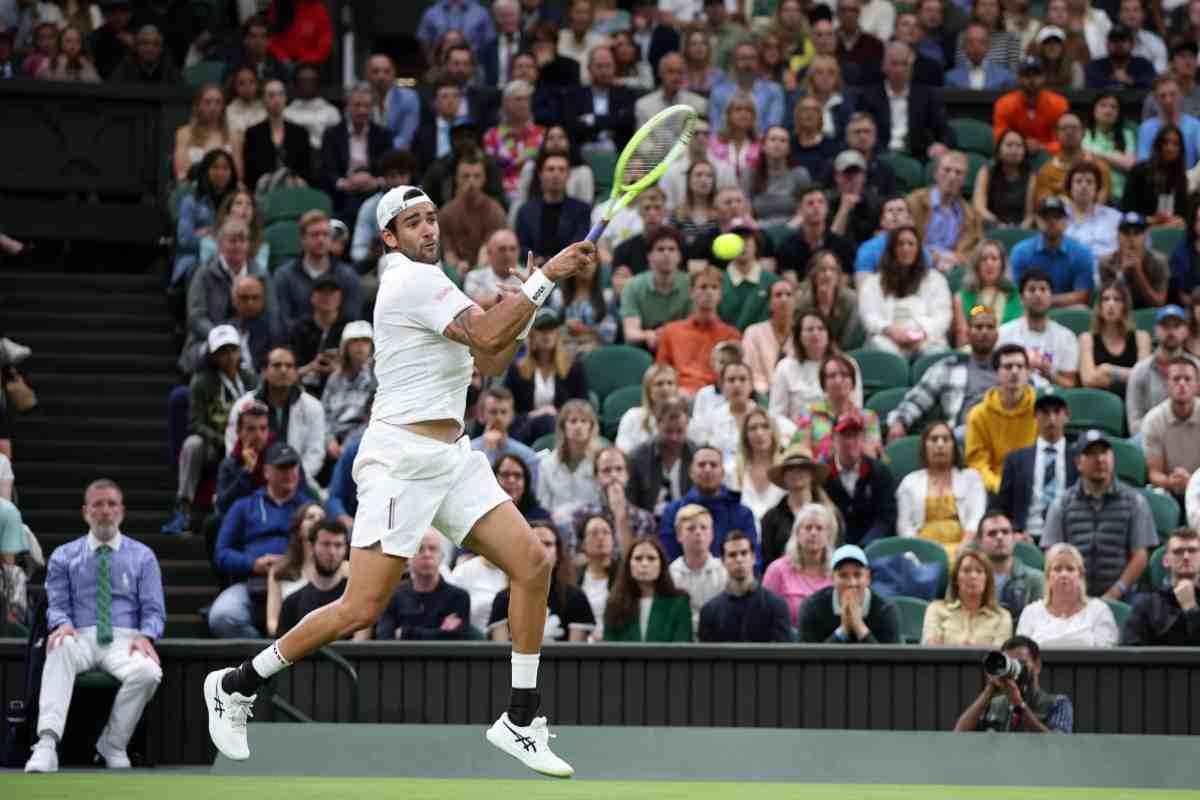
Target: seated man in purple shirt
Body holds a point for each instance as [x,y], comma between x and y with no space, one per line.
[106,607]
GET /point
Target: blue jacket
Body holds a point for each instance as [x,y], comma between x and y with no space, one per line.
[1016,484]
[1099,74]
[995,78]
[343,491]
[1071,265]
[293,288]
[728,514]
[574,222]
[1185,271]
[255,525]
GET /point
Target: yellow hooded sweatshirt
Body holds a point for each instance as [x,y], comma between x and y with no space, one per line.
[994,431]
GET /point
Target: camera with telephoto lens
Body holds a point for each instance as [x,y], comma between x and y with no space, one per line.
[998,664]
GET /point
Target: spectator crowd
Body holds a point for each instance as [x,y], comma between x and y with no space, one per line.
[944,394]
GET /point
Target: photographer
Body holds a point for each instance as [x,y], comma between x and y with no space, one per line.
[1007,704]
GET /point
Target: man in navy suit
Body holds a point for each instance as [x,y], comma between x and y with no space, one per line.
[496,56]
[348,152]
[548,223]
[923,133]
[1034,476]
[604,111]
[976,71]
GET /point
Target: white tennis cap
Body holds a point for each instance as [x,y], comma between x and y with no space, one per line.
[359,329]
[223,336]
[397,201]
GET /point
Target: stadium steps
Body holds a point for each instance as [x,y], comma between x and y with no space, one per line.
[173,549]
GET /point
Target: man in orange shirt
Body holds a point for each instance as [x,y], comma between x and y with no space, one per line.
[1031,110]
[687,344]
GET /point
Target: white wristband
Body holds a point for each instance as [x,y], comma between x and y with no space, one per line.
[538,287]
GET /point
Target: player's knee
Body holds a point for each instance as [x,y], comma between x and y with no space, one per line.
[536,568]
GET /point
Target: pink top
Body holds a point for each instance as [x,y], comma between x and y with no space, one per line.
[785,580]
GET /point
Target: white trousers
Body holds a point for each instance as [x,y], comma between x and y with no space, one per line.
[138,674]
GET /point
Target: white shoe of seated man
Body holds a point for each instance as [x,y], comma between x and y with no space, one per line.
[44,757]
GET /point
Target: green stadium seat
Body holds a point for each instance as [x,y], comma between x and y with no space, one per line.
[954,278]
[927,552]
[1030,555]
[1010,235]
[293,202]
[883,402]
[903,456]
[175,202]
[1144,319]
[922,365]
[1165,509]
[602,164]
[778,233]
[880,370]
[613,366]
[204,72]
[1095,408]
[1165,240]
[1077,320]
[284,238]
[1120,612]
[974,136]
[909,172]
[1131,462]
[543,443]
[615,406]
[96,679]
[912,618]
[13,630]
[1158,569]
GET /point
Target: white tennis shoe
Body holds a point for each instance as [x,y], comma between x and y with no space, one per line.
[227,716]
[530,745]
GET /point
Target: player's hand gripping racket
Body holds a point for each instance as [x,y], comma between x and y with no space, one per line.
[656,144]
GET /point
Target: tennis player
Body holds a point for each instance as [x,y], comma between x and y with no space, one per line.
[415,468]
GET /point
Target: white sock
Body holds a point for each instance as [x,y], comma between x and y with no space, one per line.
[524,670]
[270,661]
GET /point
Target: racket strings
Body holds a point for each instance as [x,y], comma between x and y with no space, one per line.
[652,150]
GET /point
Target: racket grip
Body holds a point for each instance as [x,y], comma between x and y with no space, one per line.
[597,230]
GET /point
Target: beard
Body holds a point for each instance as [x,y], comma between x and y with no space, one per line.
[416,253]
[326,570]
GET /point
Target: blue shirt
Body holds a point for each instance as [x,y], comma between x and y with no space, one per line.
[1071,265]
[255,526]
[1189,126]
[137,590]
[343,491]
[403,115]
[727,512]
[512,448]
[768,103]
[466,16]
[366,230]
[945,223]
[870,253]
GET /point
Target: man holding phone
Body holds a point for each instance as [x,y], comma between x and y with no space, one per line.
[315,337]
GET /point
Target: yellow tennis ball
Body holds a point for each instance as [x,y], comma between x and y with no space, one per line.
[728,246]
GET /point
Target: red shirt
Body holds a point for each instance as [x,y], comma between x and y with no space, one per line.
[1010,112]
[308,39]
[687,345]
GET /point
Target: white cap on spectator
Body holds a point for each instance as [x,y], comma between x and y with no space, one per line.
[359,329]
[1051,32]
[223,336]
[396,202]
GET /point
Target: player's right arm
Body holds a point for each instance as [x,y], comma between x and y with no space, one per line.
[491,333]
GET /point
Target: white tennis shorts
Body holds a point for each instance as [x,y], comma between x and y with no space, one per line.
[407,482]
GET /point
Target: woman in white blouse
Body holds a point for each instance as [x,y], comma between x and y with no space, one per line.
[245,107]
[797,380]
[566,478]
[942,502]
[1068,617]
[758,445]
[721,426]
[905,306]
[637,426]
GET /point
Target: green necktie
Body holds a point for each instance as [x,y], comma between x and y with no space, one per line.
[103,598]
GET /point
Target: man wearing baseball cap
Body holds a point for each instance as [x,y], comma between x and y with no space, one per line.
[1144,271]
[1121,69]
[848,612]
[861,487]
[1147,385]
[1109,521]
[1069,264]
[1031,110]
[857,202]
[1034,476]
[1147,44]
[213,391]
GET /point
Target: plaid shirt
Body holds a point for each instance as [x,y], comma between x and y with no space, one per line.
[641,522]
[944,384]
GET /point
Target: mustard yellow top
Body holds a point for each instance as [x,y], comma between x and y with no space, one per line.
[942,524]
[947,622]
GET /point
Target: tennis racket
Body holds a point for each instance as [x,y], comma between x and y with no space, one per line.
[656,144]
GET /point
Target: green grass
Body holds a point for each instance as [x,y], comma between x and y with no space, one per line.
[167,785]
